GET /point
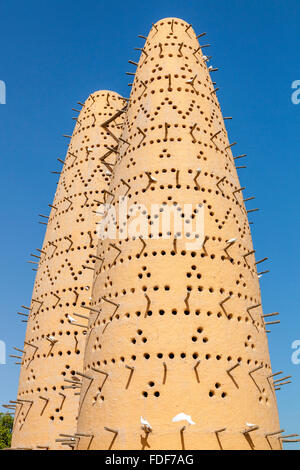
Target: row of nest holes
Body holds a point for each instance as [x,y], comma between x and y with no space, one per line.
[212,256]
[182,355]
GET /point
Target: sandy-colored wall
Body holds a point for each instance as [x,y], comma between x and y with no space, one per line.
[46,406]
[168,344]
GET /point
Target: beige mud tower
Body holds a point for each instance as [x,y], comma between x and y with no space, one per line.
[176,331]
[47,403]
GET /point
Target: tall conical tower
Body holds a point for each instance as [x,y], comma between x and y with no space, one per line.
[47,403]
[176,336]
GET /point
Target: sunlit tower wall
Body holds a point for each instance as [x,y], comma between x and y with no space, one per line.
[48,395]
[174,329]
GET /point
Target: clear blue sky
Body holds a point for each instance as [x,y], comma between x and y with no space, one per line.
[55,53]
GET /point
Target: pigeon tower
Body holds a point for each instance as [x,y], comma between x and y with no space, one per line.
[48,395]
[177,351]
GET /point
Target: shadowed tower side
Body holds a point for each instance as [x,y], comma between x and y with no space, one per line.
[47,402]
[175,329]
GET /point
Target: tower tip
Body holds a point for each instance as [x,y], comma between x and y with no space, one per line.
[169,20]
[171,27]
[103,93]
